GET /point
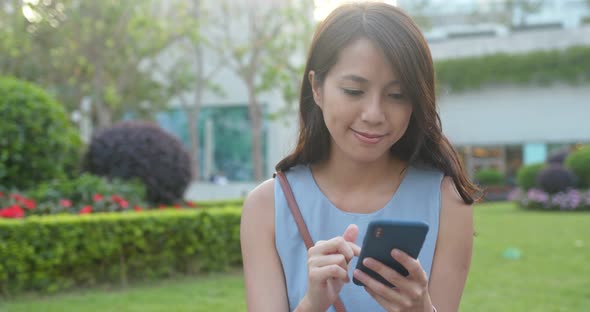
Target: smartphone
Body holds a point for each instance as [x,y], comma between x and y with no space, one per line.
[385,235]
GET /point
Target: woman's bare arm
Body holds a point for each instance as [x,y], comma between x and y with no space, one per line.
[265,281]
[452,257]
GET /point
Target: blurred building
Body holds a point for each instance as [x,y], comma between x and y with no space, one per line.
[505,126]
[501,126]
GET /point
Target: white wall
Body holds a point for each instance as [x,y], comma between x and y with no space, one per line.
[515,115]
[512,43]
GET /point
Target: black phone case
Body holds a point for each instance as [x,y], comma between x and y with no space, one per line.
[407,236]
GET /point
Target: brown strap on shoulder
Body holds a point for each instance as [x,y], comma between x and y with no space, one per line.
[303,231]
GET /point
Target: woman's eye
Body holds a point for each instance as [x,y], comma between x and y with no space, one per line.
[397,96]
[352,92]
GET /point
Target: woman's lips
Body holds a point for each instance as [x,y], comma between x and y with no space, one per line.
[368,138]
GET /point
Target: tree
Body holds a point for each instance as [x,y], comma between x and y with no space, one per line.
[18,57]
[249,42]
[95,49]
[418,10]
[284,72]
[188,76]
[517,10]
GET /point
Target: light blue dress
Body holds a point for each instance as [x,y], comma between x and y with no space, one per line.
[418,197]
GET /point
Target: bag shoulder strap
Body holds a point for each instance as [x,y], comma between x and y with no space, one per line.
[303,231]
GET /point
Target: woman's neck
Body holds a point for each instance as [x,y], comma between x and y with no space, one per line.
[347,175]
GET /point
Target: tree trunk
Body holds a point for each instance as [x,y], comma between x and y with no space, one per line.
[256,127]
[193,116]
[194,135]
[103,112]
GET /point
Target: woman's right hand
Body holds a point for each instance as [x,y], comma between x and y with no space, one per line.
[328,269]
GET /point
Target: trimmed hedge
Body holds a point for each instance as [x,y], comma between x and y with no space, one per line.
[53,253]
[238,202]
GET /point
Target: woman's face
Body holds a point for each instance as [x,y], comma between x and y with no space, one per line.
[363,103]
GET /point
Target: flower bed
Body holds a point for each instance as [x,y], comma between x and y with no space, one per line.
[570,200]
[17,205]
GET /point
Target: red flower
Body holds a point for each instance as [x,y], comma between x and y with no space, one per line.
[1,194]
[116,198]
[29,203]
[162,207]
[137,208]
[124,204]
[66,203]
[97,197]
[13,211]
[86,209]
[191,204]
[16,196]
[177,206]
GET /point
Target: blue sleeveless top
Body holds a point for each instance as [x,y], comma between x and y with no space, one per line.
[417,198]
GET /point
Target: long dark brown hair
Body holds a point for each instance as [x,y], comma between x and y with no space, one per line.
[406,49]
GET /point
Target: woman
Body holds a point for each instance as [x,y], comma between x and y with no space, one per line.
[370,147]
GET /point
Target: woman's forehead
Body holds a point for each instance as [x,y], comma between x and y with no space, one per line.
[363,61]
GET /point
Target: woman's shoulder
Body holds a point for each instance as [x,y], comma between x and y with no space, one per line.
[427,169]
[258,209]
[426,176]
[261,198]
[263,194]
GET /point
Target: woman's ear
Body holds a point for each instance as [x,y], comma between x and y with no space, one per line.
[315,88]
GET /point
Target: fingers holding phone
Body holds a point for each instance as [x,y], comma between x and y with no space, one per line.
[388,267]
[328,263]
[410,292]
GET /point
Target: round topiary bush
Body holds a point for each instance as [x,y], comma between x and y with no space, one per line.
[37,141]
[558,157]
[488,177]
[579,163]
[555,179]
[136,149]
[526,177]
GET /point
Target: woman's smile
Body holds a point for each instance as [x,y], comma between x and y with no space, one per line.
[368,138]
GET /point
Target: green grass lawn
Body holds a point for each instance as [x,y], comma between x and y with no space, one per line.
[552,273]
[205,293]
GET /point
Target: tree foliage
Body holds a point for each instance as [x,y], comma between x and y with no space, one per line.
[100,50]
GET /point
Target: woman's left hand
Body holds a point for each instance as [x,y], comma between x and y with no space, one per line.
[410,293]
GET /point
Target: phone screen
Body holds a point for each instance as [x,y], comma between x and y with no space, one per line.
[383,236]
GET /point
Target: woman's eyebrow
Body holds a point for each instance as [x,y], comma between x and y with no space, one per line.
[355,78]
[360,79]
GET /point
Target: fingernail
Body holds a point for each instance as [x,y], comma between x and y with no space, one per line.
[367,262]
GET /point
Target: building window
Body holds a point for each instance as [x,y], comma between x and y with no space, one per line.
[225,140]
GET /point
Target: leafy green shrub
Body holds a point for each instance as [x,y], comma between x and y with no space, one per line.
[537,67]
[555,179]
[526,176]
[52,253]
[488,177]
[37,142]
[579,163]
[144,151]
